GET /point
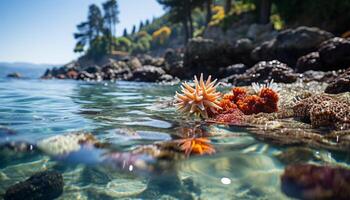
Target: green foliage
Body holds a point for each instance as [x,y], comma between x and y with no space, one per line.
[123,44]
[141,43]
[98,31]
[98,48]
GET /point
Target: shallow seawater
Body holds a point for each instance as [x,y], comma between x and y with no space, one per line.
[125,116]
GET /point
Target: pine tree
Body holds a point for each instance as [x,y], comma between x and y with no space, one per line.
[111,13]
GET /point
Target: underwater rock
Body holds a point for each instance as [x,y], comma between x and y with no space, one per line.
[291,44]
[147,73]
[14,75]
[335,53]
[340,84]
[310,61]
[324,111]
[265,71]
[65,144]
[41,186]
[307,181]
[296,155]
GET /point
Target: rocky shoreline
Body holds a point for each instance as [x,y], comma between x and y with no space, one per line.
[304,53]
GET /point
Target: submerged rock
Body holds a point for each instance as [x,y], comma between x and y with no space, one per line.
[41,186]
[265,71]
[306,181]
[340,84]
[65,144]
[324,111]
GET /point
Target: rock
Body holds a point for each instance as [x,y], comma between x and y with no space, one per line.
[85,76]
[205,55]
[174,64]
[296,155]
[291,44]
[93,69]
[14,75]
[265,72]
[134,63]
[41,186]
[72,74]
[340,84]
[310,61]
[307,181]
[335,53]
[324,111]
[64,144]
[166,78]
[313,76]
[147,73]
[235,69]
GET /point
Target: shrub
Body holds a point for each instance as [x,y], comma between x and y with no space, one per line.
[161,35]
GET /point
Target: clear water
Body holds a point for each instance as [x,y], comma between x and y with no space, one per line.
[127,115]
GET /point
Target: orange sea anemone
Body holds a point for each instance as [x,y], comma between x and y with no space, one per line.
[202,100]
[199,146]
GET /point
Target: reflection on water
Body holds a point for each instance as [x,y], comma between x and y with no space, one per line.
[129,155]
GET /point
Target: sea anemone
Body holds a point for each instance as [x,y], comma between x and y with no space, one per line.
[199,146]
[202,100]
[257,87]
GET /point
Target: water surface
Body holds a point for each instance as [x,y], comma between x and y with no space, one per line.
[128,115]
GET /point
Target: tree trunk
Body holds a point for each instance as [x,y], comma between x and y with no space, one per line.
[265,11]
[185,25]
[228,5]
[209,13]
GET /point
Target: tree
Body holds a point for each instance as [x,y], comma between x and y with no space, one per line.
[265,11]
[125,33]
[88,31]
[209,13]
[111,13]
[95,20]
[228,5]
[133,30]
[147,22]
[180,11]
[141,26]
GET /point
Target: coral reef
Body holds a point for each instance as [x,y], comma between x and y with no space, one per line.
[202,100]
[324,111]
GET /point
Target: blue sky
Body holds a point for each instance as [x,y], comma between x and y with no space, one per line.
[41,31]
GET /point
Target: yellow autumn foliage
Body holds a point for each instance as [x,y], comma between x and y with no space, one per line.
[161,35]
[218,16]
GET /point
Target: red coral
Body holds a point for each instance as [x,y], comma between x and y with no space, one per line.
[265,101]
[233,116]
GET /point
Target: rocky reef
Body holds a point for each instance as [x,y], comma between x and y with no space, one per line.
[45,185]
[307,181]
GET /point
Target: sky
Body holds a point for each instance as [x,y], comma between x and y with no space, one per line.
[41,31]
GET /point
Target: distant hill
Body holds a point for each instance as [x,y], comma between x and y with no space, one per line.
[29,70]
